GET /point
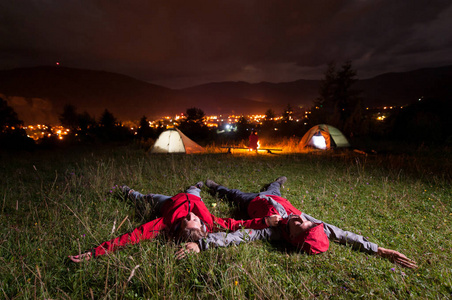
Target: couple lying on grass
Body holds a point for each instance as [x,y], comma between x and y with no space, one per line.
[185,218]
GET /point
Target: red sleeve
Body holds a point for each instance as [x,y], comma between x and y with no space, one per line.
[231,224]
[145,232]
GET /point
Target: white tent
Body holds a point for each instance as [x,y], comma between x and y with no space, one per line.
[174,141]
[324,137]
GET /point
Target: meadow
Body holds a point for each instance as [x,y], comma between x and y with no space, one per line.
[59,203]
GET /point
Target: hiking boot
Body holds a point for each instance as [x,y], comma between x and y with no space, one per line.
[281,180]
[212,184]
[198,185]
[125,191]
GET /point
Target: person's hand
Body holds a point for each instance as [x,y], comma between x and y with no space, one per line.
[273,220]
[397,258]
[81,257]
[187,248]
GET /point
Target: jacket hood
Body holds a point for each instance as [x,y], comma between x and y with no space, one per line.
[313,241]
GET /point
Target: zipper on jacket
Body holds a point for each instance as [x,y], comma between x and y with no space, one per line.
[189,204]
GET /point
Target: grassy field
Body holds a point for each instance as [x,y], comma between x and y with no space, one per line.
[54,204]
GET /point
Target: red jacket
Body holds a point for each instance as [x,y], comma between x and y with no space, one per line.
[253,140]
[261,207]
[312,241]
[172,212]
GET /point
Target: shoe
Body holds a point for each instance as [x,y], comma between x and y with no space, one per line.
[199,185]
[281,180]
[125,190]
[212,184]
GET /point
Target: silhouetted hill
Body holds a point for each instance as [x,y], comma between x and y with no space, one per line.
[229,97]
[39,94]
[262,95]
[405,88]
[386,89]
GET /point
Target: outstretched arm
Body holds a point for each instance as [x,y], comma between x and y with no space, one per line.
[397,258]
[358,242]
[256,223]
[144,232]
[223,239]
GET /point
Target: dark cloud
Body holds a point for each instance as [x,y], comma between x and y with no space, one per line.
[181,43]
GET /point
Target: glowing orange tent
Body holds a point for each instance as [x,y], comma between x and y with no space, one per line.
[323,137]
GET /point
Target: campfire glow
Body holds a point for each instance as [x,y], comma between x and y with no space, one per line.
[258,146]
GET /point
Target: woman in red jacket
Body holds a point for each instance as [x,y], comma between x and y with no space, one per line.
[183,217]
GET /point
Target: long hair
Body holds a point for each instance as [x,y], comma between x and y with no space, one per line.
[190,235]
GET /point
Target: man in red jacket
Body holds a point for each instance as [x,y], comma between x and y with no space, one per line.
[295,229]
[253,140]
[183,217]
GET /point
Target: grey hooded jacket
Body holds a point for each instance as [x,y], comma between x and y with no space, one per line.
[335,234]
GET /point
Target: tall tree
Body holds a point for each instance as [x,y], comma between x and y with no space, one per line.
[110,129]
[195,115]
[345,97]
[193,125]
[287,125]
[338,103]
[243,128]
[144,130]
[85,121]
[107,119]
[79,124]
[287,115]
[69,117]
[268,125]
[8,117]
[12,135]
[325,103]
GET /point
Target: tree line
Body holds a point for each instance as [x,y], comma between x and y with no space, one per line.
[339,104]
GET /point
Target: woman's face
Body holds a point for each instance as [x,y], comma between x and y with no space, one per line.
[191,221]
[298,225]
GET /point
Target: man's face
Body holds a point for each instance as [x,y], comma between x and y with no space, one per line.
[298,225]
[191,221]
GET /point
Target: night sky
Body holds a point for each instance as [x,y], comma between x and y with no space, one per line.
[183,43]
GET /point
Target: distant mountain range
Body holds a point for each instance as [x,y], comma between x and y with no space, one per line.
[39,94]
